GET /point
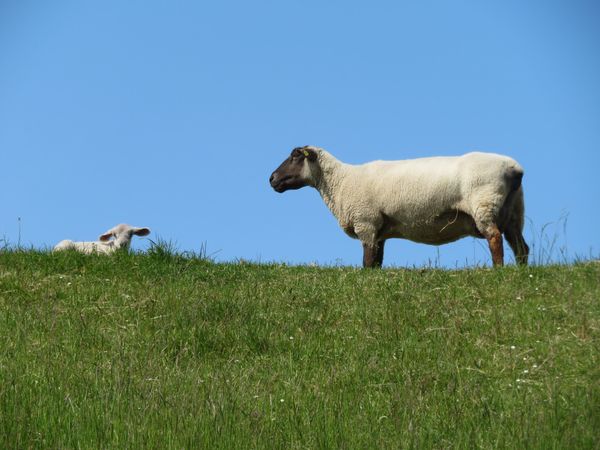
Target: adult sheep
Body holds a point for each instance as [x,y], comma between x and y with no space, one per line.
[430,200]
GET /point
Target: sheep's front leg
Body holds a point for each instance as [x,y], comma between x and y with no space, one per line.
[373,254]
[380,253]
[366,231]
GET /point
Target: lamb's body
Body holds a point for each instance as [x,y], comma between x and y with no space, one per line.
[429,200]
[87,246]
[118,237]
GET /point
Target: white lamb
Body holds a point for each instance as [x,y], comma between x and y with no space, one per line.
[121,233]
[430,200]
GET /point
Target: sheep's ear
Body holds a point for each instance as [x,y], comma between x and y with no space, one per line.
[309,154]
[142,231]
[105,237]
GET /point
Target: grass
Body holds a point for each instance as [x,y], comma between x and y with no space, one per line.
[161,350]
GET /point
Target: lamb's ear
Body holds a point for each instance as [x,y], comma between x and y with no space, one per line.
[106,236]
[142,231]
[310,154]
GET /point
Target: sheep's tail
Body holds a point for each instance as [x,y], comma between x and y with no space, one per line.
[514,177]
[513,209]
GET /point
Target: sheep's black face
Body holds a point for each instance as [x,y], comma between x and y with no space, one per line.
[294,173]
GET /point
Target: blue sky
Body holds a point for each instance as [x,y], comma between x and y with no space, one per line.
[172,115]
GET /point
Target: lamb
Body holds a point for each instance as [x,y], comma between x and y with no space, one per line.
[121,233]
[429,200]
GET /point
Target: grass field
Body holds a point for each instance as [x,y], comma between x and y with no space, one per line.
[165,351]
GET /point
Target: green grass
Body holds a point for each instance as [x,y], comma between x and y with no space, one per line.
[166,351]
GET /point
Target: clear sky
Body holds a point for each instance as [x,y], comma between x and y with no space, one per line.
[173,114]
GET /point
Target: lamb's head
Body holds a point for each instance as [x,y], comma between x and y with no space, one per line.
[122,235]
[298,170]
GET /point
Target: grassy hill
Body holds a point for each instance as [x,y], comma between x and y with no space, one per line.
[164,351]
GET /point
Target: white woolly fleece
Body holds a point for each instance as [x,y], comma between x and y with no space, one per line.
[430,200]
[121,233]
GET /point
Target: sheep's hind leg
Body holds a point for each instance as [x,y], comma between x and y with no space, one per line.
[494,238]
[517,243]
[514,230]
[373,254]
[486,220]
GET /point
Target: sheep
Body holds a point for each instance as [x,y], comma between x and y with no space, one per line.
[121,233]
[429,200]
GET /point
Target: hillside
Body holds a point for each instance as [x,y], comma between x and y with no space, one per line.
[166,351]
